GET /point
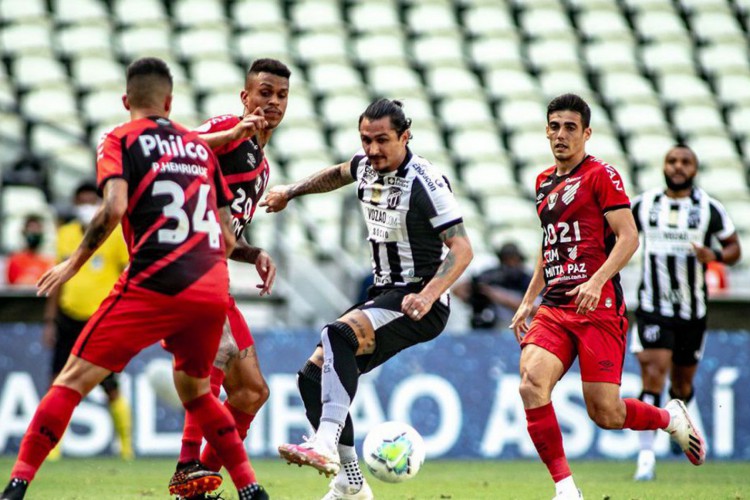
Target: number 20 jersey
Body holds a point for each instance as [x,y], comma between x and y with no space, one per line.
[245,169]
[172,224]
[577,238]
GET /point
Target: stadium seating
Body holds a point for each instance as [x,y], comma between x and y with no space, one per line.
[475,76]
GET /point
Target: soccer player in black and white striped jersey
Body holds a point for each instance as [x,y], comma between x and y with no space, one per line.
[678,225]
[419,249]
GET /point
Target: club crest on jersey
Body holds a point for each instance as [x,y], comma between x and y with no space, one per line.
[394,198]
[573,252]
[570,192]
[552,200]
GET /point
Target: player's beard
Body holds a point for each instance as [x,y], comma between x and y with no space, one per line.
[678,186]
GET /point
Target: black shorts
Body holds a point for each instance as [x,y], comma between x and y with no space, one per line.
[685,338]
[68,330]
[395,331]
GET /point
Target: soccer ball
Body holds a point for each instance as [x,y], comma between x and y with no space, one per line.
[393,452]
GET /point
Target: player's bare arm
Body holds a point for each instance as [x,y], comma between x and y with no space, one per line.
[328,179]
[416,305]
[518,324]
[729,254]
[250,125]
[623,225]
[225,219]
[105,220]
[264,265]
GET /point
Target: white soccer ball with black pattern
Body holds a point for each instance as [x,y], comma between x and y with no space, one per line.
[393,452]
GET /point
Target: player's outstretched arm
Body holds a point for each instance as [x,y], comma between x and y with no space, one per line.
[105,220]
[518,324]
[416,305]
[245,252]
[328,179]
[250,125]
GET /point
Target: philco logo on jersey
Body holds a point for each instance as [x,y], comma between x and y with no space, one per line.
[173,146]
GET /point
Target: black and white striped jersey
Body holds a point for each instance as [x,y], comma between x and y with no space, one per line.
[673,281]
[405,211]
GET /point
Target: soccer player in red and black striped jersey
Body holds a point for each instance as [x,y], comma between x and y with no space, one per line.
[589,235]
[238,143]
[165,186]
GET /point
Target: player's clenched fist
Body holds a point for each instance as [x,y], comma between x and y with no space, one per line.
[276,199]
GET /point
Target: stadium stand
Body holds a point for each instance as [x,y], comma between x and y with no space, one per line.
[475,75]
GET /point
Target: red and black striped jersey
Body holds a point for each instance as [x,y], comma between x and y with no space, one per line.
[577,238]
[245,169]
[175,188]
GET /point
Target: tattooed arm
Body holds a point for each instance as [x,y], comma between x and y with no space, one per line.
[264,264]
[105,220]
[328,179]
[456,261]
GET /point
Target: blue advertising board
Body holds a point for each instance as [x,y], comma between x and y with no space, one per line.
[459,391]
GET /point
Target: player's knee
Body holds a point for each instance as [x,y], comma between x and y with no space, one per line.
[530,389]
[342,331]
[249,399]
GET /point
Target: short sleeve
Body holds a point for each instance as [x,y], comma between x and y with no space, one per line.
[219,124]
[610,190]
[109,160]
[719,224]
[439,202]
[354,163]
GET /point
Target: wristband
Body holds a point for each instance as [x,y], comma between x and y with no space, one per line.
[719,256]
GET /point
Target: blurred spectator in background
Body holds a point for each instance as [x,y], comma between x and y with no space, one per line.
[26,266]
[68,310]
[495,294]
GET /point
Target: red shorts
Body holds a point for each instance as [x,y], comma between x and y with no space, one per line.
[132,318]
[238,326]
[598,338]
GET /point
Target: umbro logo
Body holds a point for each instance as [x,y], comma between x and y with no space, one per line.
[606,365]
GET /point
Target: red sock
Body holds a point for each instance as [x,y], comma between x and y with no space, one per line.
[45,430]
[209,457]
[545,433]
[641,416]
[221,433]
[192,435]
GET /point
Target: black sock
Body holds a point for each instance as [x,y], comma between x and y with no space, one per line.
[651,398]
[686,399]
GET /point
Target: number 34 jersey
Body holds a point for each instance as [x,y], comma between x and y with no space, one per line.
[175,188]
[245,169]
[577,238]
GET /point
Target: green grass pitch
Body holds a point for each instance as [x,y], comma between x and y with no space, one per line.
[112,479]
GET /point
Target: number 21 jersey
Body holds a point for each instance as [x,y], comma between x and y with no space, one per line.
[577,238]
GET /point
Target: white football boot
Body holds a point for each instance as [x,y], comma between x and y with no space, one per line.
[345,491]
[685,433]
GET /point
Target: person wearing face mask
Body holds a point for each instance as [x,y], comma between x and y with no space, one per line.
[68,310]
[495,293]
[27,266]
[678,225]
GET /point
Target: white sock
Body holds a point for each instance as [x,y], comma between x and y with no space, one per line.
[646,439]
[350,473]
[566,486]
[329,433]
